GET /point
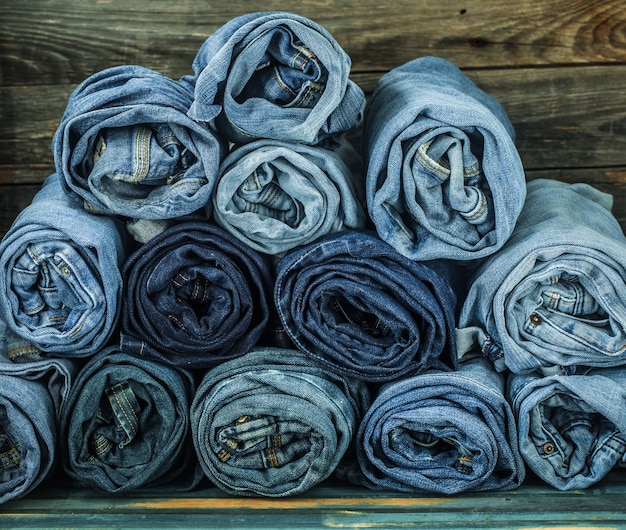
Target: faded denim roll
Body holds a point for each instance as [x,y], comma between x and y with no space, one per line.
[274,75]
[126,146]
[572,428]
[60,274]
[274,423]
[444,177]
[553,299]
[125,425]
[195,296]
[442,432]
[275,196]
[357,306]
[33,389]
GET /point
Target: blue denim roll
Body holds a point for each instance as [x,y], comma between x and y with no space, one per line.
[125,425]
[442,432]
[33,389]
[60,274]
[357,306]
[554,297]
[273,423]
[274,75]
[572,428]
[444,178]
[195,296]
[126,146]
[275,196]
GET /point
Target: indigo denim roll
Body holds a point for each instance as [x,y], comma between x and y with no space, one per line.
[442,432]
[195,296]
[444,178]
[554,297]
[275,196]
[572,428]
[274,423]
[32,391]
[357,306]
[60,274]
[274,75]
[126,146]
[125,425]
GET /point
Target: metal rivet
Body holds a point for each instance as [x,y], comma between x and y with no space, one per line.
[548,448]
[535,319]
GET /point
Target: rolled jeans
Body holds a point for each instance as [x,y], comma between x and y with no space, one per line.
[32,391]
[126,146]
[195,296]
[554,297]
[354,304]
[442,432]
[572,428]
[275,196]
[273,423]
[60,274]
[444,178]
[274,75]
[126,426]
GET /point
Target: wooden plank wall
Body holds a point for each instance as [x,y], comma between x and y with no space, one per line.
[558,66]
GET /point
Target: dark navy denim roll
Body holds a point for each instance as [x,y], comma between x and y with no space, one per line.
[195,296]
[126,146]
[274,423]
[274,75]
[60,279]
[442,432]
[125,425]
[357,306]
[33,389]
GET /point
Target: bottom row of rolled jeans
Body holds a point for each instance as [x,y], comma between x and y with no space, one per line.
[168,429]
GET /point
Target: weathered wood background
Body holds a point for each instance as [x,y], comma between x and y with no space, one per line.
[558,66]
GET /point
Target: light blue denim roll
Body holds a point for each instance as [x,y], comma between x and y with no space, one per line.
[441,432]
[273,423]
[444,178]
[572,428]
[60,278]
[274,75]
[126,146]
[33,389]
[554,297]
[275,196]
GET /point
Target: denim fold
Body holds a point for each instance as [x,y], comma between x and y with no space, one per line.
[33,389]
[572,428]
[442,432]
[194,296]
[275,195]
[554,297]
[60,274]
[125,425]
[274,423]
[354,304]
[444,177]
[274,75]
[126,146]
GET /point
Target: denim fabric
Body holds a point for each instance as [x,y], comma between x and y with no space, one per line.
[126,425]
[444,178]
[32,391]
[357,306]
[442,432]
[275,196]
[60,274]
[572,429]
[555,296]
[126,146]
[274,423]
[195,296]
[274,75]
